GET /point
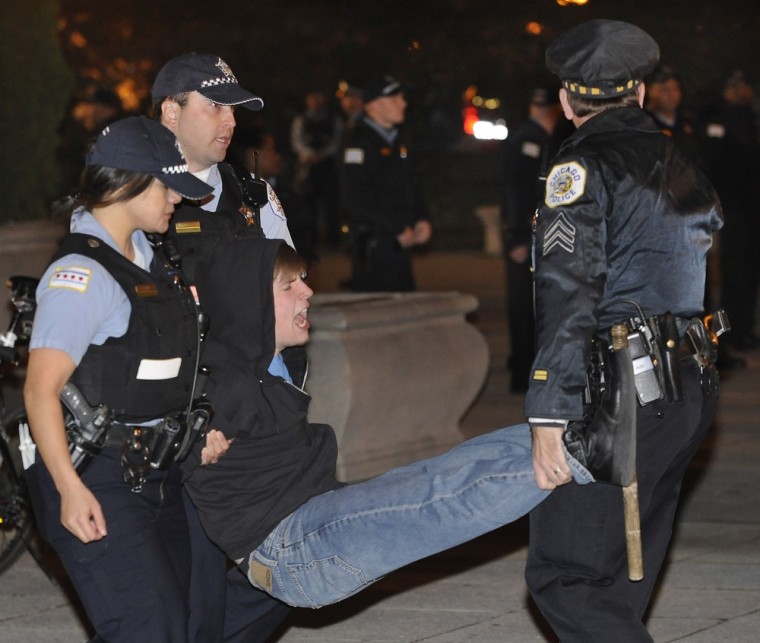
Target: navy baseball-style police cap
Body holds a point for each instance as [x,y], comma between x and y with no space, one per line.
[602,58]
[206,74]
[382,87]
[140,144]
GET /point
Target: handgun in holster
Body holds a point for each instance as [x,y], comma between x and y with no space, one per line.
[86,426]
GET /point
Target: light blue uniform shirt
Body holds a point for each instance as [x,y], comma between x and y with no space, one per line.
[78,301]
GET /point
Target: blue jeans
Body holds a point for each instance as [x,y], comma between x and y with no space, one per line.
[340,542]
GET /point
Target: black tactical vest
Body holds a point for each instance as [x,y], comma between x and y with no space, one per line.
[196,232]
[162,326]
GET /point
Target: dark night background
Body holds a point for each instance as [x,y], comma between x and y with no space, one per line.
[282,48]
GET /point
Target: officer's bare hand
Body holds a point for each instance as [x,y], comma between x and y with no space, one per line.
[422,232]
[549,464]
[81,513]
[520,254]
[216,446]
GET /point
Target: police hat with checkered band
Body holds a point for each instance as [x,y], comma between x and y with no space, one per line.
[206,74]
[140,144]
[602,58]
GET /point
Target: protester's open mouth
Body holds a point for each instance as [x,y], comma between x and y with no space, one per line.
[302,320]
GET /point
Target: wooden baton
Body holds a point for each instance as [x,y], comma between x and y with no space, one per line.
[619,334]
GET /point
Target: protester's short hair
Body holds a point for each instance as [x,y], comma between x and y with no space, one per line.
[583,106]
[288,263]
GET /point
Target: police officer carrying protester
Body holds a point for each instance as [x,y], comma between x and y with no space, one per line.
[381,194]
[195,96]
[622,236]
[114,321]
[528,152]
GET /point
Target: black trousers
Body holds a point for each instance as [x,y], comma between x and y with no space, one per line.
[380,264]
[224,606]
[577,565]
[133,583]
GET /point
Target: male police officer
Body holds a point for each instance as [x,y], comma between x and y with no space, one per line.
[626,218]
[381,194]
[194,95]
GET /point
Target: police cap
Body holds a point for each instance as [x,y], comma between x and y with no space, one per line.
[382,87]
[206,74]
[141,144]
[602,58]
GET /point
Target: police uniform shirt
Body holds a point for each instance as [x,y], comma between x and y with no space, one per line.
[273,221]
[79,302]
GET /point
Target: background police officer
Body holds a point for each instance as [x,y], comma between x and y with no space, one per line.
[381,193]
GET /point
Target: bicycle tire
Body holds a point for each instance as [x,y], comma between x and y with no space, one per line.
[15,509]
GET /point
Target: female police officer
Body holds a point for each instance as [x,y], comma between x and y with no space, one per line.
[112,320]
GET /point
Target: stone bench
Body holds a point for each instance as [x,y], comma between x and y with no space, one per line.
[393,374]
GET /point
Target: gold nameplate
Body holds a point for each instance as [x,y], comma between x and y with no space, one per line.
[187,227]
[146,290]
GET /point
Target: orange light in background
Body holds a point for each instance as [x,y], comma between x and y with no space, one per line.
[564,3]
[78,40]
[534,28]
[129,95]
[470,118]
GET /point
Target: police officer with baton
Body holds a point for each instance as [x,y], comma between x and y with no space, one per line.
[621,237]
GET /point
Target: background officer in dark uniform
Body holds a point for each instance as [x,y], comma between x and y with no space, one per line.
[626,218]
[381,194]
[315,137]
[732,156]
[194,96]
[528,151]
[664,102]
[664,98]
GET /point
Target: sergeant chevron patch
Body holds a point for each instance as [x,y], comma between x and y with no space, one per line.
[560,233]
[566,183]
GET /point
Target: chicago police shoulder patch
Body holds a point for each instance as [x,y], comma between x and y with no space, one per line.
[70,277]
[275,201]
[565,184]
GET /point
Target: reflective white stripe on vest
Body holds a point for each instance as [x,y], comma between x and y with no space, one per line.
[159,369]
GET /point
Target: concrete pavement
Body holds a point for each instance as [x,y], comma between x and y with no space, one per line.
[710,589]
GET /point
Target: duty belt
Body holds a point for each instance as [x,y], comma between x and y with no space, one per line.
[657,344]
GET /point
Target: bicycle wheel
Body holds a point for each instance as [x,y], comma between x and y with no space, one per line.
[15,512]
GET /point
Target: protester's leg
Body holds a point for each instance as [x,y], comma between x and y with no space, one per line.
[133,582]
[339,542]
[579,580]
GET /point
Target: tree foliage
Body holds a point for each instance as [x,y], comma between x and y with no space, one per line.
[34,87]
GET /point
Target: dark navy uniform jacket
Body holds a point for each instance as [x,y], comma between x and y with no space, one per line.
[380,187]
[625,217]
